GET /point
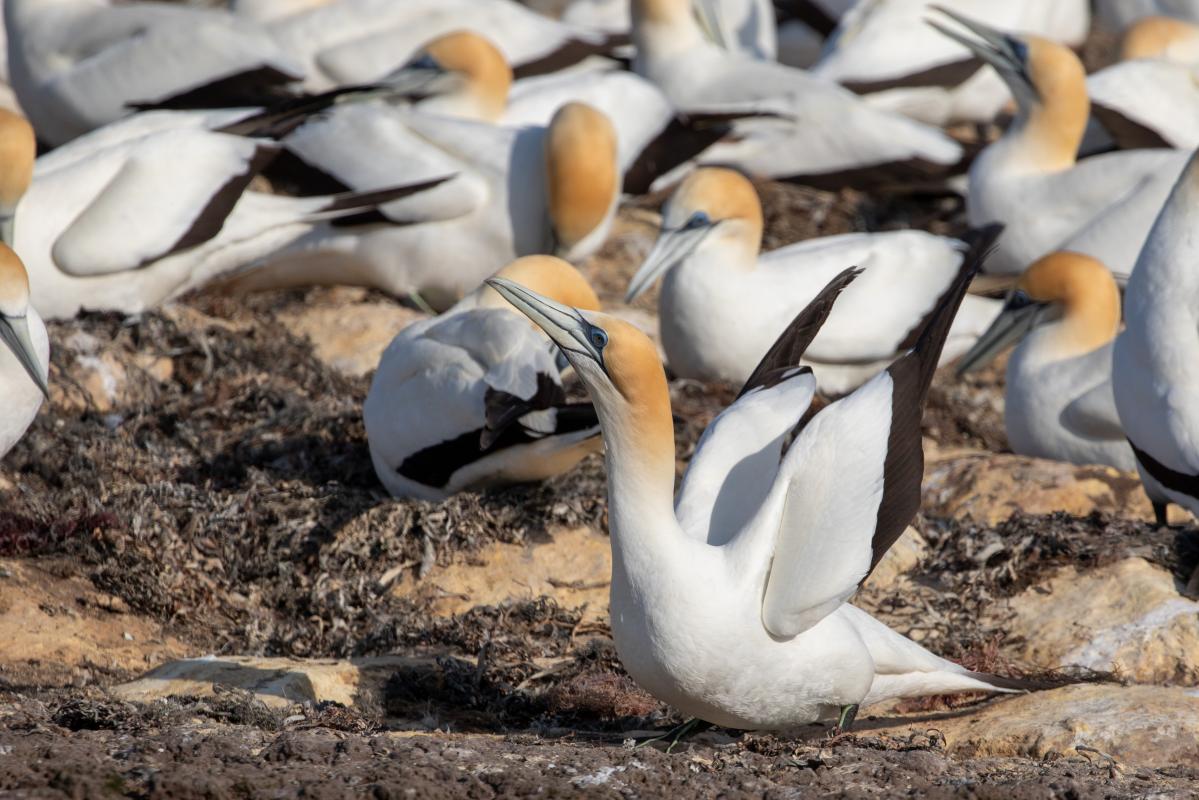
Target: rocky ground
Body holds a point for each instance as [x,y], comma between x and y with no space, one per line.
[205,592]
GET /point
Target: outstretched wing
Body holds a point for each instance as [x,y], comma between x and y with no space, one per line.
[736,459]
[851,482]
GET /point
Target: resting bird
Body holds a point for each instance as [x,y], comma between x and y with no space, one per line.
[25,356]
[723,303]
[1030,180]
[78,64]
[473,398]
[1063,314]
[1155,382]
[729,600]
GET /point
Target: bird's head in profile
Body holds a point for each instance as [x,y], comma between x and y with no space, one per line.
[14,317]
[1066,286]
[618,363]
[460,63]
[714,207]
[1036,70]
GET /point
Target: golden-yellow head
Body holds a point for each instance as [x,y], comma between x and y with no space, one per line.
[582,175]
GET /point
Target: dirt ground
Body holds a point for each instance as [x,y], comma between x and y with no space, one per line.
[201,479]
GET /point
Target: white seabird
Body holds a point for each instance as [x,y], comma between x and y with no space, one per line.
[723,302]
[812,130]
[729,601]
[1031,181]
[25,357]
[1154,379]
[887,53]
[78,64]
[514,191]
[473,398]
[1064,313]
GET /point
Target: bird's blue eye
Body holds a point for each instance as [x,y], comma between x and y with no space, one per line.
[1019,49]
[598,338]
[425,61]
[1019,299]
[698,220]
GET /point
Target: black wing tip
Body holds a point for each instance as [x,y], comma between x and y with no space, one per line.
[356,201]
[1020,684]
[791,344]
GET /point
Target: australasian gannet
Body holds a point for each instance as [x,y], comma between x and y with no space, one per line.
[886,52]
[359,41]
[473,398]
[1063,314]
[514,191]
[25,357]
[729,602]
[1151,98]
[1154,375]
[723,302]
[78,64]
[123,223]
[810,129]
[1030,180]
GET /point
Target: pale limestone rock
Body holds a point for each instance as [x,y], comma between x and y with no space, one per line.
[990,487]
[1139,726]
[574,568]
[277,682]
[347,330]
[1126,617]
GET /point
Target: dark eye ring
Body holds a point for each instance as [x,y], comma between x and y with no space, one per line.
[698,220]
[1019,299]
[599,339]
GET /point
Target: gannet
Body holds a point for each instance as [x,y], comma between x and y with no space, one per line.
[817,131]
[515,191]
[473,397]
[1154,380]
[1115,16]
[1064,313]
[127,224]
[747,26]
[78,64]
[18,149]
[885,51]
[458,74]
[729,601]
[1030,181]
[1149,98]
[25,358]
[359,41]
[722,304]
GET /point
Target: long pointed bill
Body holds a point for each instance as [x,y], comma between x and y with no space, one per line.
[1012,325]
[565,325]
[419,81]
[992,48]
[673,245]
[14,332]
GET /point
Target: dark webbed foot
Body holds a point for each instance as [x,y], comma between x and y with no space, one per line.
[848,714]
[676,734]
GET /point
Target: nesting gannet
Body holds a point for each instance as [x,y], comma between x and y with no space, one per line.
[1151,97]
[473,397]
[745,25]
[815,131]
[18,149]
[25,358]
[722,303]
[515,191]
[1064,313]
[458,74]
[359,41]
[1116,16]
[729,601]
[886,52]
[125,225]
[78,64]
[1030,179]
[1154,380]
